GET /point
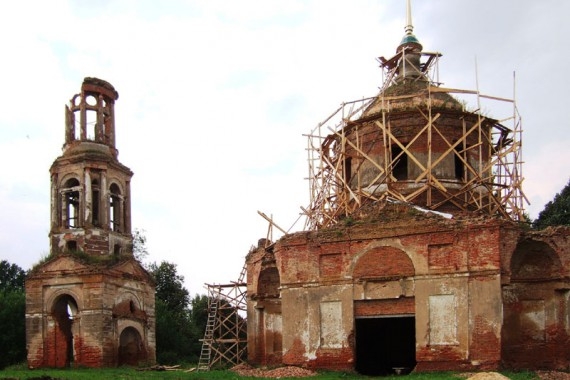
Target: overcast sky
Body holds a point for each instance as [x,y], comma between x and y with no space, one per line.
[214,97]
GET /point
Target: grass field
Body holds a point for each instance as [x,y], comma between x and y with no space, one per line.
[22,372]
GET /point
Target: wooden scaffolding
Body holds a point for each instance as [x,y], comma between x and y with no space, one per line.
[493,185]
[225,338]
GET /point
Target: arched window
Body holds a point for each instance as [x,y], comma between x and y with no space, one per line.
[115,209]
[458,163]
[399,163]
[70,194]
[91,118]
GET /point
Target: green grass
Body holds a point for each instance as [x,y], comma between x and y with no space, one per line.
[22,372]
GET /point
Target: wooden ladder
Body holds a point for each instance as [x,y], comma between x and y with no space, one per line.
[242,274]
[206,353]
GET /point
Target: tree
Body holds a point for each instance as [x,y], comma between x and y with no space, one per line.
[170,286]
[557,211]
[198,320]
[12,314]
[180,321]
[12,277]
[175,337]
[199,313]
[140,252]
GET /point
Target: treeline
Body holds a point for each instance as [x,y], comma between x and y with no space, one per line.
[12,314]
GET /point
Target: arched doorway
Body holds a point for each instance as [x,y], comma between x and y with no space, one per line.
[131,347]
[385,323]
[63,311]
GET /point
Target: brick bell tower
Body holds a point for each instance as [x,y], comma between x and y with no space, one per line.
[91,303]
[90,188]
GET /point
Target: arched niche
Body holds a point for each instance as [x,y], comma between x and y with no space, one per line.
[534,260]
[132,350]
[268,282]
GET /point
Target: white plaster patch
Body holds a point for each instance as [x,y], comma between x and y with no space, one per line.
[442,319]
[306,340]
[331,324]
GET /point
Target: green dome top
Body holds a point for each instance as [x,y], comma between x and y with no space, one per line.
[409,38]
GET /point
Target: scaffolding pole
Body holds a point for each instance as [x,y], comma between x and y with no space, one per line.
[492,185]
[225,337]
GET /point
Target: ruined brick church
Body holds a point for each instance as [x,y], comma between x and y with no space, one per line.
[414,256]
[90,303]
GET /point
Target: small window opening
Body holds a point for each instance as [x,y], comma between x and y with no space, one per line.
[117,250]
[399,163]
[459,165]
[71,246]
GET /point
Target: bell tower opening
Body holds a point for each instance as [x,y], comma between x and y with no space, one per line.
[71,204]
[115,209]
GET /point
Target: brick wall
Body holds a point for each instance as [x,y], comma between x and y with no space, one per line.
[92,330]
[395,263]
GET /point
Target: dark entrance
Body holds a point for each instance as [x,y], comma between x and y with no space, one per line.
[63,311]
[385,345]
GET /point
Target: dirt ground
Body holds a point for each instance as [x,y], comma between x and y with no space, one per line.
[290,371]
[276,373]
[553,375]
